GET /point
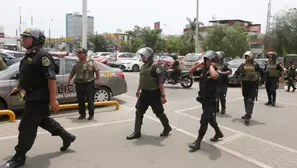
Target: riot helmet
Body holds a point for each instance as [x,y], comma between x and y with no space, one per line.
[211,55]
[36,34]
[273,55]
[220,56]
[249,54]
[145,53]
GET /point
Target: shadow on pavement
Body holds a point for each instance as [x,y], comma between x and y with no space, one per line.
[210,150]
[177,87]
[149,140]
[43,160]
[77,121]
[252,122]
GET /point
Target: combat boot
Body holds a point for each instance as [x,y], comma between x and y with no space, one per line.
[137,129]
[217,135]
[269,99]
[196,145]
[223,109]
[167,128]
[15,161]
[67,140]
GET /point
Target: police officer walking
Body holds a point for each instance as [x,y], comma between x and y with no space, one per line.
[250,72]
[85,82]
[151,85]
[207,96]
[274,74]
[291,71]
[37,78]
[223,82]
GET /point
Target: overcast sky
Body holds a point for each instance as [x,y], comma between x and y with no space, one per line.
[111,15]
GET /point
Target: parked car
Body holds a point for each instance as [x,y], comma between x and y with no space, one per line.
[190,59]
[9,59]
[118,58]
[16,54]
[112,83]
[134,64]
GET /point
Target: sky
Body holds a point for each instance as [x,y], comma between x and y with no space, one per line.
[110,15]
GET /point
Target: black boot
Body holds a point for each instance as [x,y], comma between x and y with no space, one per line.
[249,112]
[195,145]
[67,140]
[269,99]
[273,98]
[15,161]
[165,122]
[223,108]
[218,135]
[243,117]
[137,128]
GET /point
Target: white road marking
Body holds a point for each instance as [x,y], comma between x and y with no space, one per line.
[244,134]
[75,128]
[289,104]
[219,146]
[230,138]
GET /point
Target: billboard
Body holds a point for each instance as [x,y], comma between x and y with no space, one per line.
[157,25]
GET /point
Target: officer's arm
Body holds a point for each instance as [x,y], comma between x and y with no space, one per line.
[72,73]
[225,70]
[48,71]
[195,67]
[158,73]
[97,70]
[213,73]
[239,70]
[281,70]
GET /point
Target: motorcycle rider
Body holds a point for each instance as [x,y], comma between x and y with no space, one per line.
[291,71]
[223,83]
[274,74]
[249,71]
[176,70]
[207,96]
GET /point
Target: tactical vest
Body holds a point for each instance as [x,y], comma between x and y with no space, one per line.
[291,71]
[250,73]
[84,72]
[272,71]
[2,64]
[146,81]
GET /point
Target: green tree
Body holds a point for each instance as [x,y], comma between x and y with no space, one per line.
[179,44]
[98,43]
[191,33]
[282,36]
[230,39]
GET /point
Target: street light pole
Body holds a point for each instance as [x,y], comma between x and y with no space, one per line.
[197,26]
[84,24]
[20,28]
[49,33]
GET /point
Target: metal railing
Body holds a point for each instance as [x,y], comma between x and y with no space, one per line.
[9,113]
[75,105]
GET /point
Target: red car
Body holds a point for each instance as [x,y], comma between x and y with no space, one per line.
[103,59]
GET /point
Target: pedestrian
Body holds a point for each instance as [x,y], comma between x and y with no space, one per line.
[223,82]
[250,73]
[85,82]
[150,92]
[38,80]
[274,74]
[207,96]
[291,71]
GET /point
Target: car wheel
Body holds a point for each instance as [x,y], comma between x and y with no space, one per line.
[102,94]
[135,68]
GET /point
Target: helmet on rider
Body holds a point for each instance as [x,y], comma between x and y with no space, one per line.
[146,54]
[174,56]
[272,55]
[38,37]
[249,54]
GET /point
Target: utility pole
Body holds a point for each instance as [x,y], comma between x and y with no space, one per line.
[84,24]
[20,28]
[49,33]
[197,27]
[268,16]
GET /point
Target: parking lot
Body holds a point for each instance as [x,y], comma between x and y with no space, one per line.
[268,142]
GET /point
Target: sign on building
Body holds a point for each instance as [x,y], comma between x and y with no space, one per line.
[157,25]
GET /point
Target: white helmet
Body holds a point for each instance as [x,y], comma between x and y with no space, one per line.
[145,52]
[249,54]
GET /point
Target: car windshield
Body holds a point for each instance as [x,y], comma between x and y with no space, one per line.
[192,57]
[10,70]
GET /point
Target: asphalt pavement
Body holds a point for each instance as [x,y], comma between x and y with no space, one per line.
[268,142]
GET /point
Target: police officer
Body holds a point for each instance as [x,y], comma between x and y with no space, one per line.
[274,74]
[291,71]
[85,82]
[223,83]
[37,79]
[151,85]
[250,72]
[2,63]
[207,97]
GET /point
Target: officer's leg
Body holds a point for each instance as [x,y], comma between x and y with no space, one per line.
[250,102]
[273,88]
[269,95]
[158,109]
[212,120]
[223,100]
[245,93]
[141,107]
[27,133]
[90,99]
[80,94]
[289,85]
[218,100]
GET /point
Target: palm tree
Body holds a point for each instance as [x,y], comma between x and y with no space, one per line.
[192,30]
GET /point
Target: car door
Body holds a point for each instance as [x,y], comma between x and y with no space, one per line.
[69,93]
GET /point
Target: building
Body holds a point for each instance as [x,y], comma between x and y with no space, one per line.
[74,25]
[9,43]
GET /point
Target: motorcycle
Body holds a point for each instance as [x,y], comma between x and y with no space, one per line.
[184,79]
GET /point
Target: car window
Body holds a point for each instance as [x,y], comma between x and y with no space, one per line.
[68,65]
[192,57]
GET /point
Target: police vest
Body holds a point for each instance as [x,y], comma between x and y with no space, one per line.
[84,72]
[271,70]
[207,86]
[250,73]
[2,64]
[146,81]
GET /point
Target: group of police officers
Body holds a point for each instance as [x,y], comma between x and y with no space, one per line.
[37,79]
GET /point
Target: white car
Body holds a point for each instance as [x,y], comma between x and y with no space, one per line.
[132,64]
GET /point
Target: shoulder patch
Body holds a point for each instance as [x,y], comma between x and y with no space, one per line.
[158,70]
[45,61]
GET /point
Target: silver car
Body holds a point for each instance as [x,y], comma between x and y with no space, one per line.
[190,59]
[112,83]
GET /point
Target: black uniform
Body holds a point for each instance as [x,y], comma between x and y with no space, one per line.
[151,75]
[222,88]
[250,73]
[207,96]
[272,81]
[291,71]
[175,73]
[35,70]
